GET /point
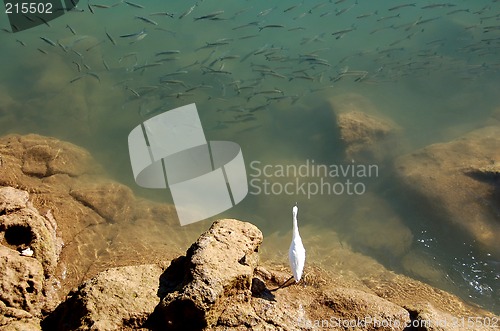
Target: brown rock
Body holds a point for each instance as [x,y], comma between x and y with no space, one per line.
[117,299]
[101,222]
[365,132]
[217,270]
[27,281]
[21,282]
[458,180]
[364,311]
[22,227]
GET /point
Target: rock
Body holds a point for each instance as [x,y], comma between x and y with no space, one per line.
[21,282]
[365,132]
[428,307]
[97,218]
[117,299]
[22,228]
[216,272]
[112,201]
[361,133]
[384,235]
[17,319]
[458,181]
[372,312]
[29,252]
[217,286]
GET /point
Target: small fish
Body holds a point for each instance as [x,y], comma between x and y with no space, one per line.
[132,4]
[292,8]
[345,10]
[101,6]
[197,87]
[71,29]
[207,70]
[265,12]
[246,25]
[178,82]
[383,18]
[187,12]
[219,43]
[110,38]
[21,42]
[402,6]
[169,52]
[138,38]
[300,16]
[319,5]
[75,79]
[367,14]
[42,51]
[93,46]
[43,20]
[105,64]
[248,37]
[269,92]
[149,65]
[175,73]
[427,20]
[136,34]
[271,26]
[179,95]
[297,28]
[64,48]
[162,13]
[134,92]
[458,11]
[209,16]
[147,20]
[93,74]
[77,53]
[438,5]
[48,41]
[341,33]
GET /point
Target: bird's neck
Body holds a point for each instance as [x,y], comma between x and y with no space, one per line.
[295,229]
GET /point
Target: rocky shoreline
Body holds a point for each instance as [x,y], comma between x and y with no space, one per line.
[84,274]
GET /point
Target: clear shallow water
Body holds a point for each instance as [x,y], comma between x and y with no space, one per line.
[433,71]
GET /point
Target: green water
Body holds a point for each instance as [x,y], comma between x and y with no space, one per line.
[436,79]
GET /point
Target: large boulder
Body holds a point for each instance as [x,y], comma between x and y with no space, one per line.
[116,299]
[29,253]
[216,271]
[459,182]
[98,219]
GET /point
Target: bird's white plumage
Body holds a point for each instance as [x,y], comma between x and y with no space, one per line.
[297,252]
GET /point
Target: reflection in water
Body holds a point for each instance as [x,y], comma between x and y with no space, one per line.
[279,79]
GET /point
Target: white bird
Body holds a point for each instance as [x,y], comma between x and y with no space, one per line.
[297,252]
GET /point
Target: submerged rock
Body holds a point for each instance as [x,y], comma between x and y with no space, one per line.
[458,181]
[365,133]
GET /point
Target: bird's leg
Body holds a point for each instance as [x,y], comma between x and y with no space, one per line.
[282,285]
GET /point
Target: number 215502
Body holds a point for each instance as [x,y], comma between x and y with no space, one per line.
[28,8]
